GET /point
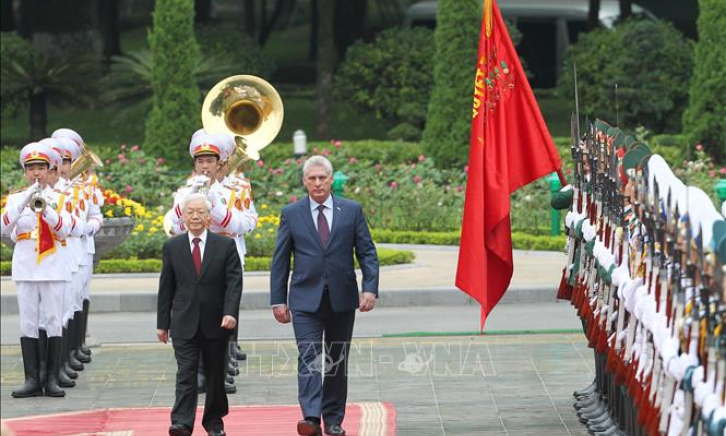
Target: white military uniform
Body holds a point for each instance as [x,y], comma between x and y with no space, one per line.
[39,277]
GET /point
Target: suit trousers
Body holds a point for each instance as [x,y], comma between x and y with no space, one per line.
[318,394]
[213,352]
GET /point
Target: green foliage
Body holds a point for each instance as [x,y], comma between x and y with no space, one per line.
[386,256]
[705,118]
[134,174]
[175,111]
[230,45]
[651,63]
[26,73]
[520,241]
[341,151]
[448,126]
[391,77]
[13,48]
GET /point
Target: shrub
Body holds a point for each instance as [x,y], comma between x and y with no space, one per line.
[650,61]
[390,76]
[236,48]
[13,48]
[520,241]
[131,172]
[705,119]
[448,127]
[386,256]
[175,111]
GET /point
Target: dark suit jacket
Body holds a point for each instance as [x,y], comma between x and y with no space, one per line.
[188,302]
[314,264]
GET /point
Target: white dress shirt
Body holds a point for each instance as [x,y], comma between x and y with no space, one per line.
[203,241]
[328,211]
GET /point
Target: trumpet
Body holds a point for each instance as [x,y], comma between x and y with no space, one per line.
[37,202]
[86,162]
[204,189]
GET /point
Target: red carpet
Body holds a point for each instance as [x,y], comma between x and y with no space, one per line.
[361,419]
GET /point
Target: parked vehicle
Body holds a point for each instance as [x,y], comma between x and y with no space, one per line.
[548,27]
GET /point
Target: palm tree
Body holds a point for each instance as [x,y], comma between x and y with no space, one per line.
[128,84]
[38,80]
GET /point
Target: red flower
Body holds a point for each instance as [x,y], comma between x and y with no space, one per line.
[123,146]
[352,160]
[134,148]
[722,171]
[336,144]
[417,180]
[315,150]
[128,189]
[699,147]
[260,163]
[111,200]
[160,161]
[466,169]
[293,198]
[326,152]
[421,158]
[394,185]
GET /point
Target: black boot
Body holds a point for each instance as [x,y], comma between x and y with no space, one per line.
[42,355]
[236,352]
[86,307]
[65,380]
[78,339]
[31,365]
[73,361]
[65,354]
[54,363]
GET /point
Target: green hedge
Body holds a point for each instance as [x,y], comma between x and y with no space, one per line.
[520,241]
[386,256]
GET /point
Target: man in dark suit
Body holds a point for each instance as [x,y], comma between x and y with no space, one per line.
[199,295]
[322,232]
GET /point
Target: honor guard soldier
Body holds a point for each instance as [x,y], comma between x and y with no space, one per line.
[242,200]
[38,217]
[93,200]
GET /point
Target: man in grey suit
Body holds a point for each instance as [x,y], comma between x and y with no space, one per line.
[322,232]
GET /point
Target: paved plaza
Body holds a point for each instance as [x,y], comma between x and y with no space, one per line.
[513,385]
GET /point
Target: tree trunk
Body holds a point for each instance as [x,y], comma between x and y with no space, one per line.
[108,19]
[267,26]
[248,12]
[25,19]
[326,62]
[38,116]
[8,15]
[593,14]
[350,18]
[202,11]
[626,9]
[313,48]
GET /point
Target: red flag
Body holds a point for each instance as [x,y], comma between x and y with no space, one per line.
[510,147]
[46,242]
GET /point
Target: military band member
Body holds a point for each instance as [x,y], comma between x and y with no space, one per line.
[38,269]
[93,198]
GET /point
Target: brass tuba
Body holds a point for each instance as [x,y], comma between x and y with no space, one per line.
[85,162]
[249,109]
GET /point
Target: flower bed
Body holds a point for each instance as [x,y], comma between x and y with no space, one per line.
[386,256]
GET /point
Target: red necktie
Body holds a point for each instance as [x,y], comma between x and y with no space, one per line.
[197,256]
[323,229]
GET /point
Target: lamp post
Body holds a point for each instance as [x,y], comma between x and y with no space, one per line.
[555,187]
[721,190]
[299,143]
[339,181]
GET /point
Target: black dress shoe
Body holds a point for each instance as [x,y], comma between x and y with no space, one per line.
[217,432]
[335,430]
[307,427]
[179,430]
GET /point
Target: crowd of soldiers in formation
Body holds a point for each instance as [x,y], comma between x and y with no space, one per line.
[646,272]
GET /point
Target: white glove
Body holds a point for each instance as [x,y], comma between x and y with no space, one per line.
[197,182]
[26,196]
